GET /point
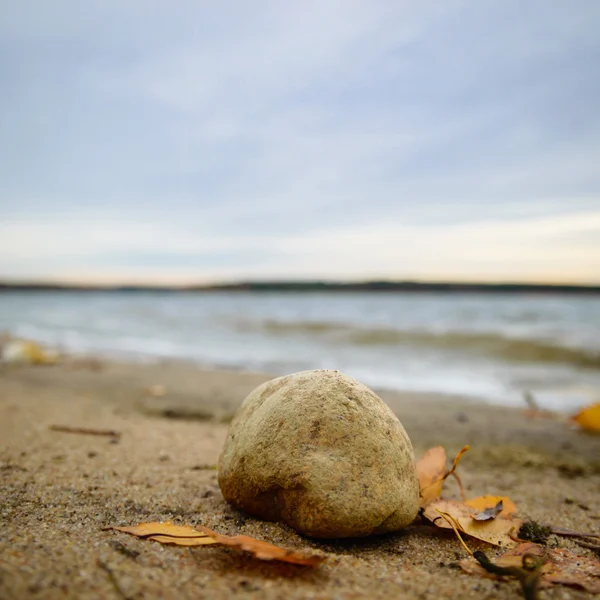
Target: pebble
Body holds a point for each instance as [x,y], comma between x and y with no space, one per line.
[322,453]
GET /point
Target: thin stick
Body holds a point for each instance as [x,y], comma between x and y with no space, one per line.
[452,522]
[588,545]
[457,459]
[85,430]
[460,485]
[453,472]
[570,533]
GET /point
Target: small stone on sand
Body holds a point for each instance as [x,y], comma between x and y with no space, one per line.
[323,453]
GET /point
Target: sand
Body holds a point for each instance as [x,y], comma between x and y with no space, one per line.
[59,490]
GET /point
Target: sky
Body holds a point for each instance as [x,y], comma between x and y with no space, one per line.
[194,141]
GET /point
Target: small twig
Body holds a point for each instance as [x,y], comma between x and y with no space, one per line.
[528,575]
[460,485]
[85,430]
[571,533]
[453,472]
[457,459]
[593,547]
[530,401]
[452,522]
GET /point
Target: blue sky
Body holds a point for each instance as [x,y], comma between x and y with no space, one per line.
[174,142]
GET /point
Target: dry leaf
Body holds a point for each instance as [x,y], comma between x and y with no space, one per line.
[431,470]
[264,550]
[169,533]
[25,352]
[432,473]
[589,418]
[561,567]
[488,504]
[183,535]
[496,531]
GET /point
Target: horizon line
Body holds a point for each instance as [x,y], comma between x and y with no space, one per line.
[258,285]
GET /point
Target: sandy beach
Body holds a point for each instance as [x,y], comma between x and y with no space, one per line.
[59,490]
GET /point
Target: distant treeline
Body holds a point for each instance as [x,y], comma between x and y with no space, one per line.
[323,286]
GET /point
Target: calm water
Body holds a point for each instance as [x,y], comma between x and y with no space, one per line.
[490,347]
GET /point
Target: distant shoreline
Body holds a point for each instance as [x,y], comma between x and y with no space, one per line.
[317,286]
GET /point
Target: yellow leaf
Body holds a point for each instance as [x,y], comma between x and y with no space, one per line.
[169,533]
[496,531]
[183,535]
[26,352]
[589,418]
[432,472]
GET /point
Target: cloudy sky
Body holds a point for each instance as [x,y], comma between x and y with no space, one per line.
[150,141]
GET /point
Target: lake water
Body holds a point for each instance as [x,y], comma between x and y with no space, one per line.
[488,347]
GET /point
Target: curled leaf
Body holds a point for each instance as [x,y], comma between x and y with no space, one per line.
[432,473]
[183,535]
[431,470]
[489,513]
[264,550]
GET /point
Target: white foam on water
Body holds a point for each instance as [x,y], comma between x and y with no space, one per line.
[449,344]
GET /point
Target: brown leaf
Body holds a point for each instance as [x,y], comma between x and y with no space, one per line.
[561,567]
[264,550]
[589,418]
[489,504]
[432,473]
[496,531]
[431,470]
[183,535]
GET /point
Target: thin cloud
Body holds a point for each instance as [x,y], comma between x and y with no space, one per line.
[151,135]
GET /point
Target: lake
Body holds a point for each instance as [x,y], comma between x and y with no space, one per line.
[490,347]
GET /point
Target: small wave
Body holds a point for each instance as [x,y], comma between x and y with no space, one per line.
[492,345]
[304,327]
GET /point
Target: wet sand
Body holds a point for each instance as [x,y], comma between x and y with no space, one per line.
[59,490]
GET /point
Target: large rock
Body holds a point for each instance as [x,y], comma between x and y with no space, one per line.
[323,453]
